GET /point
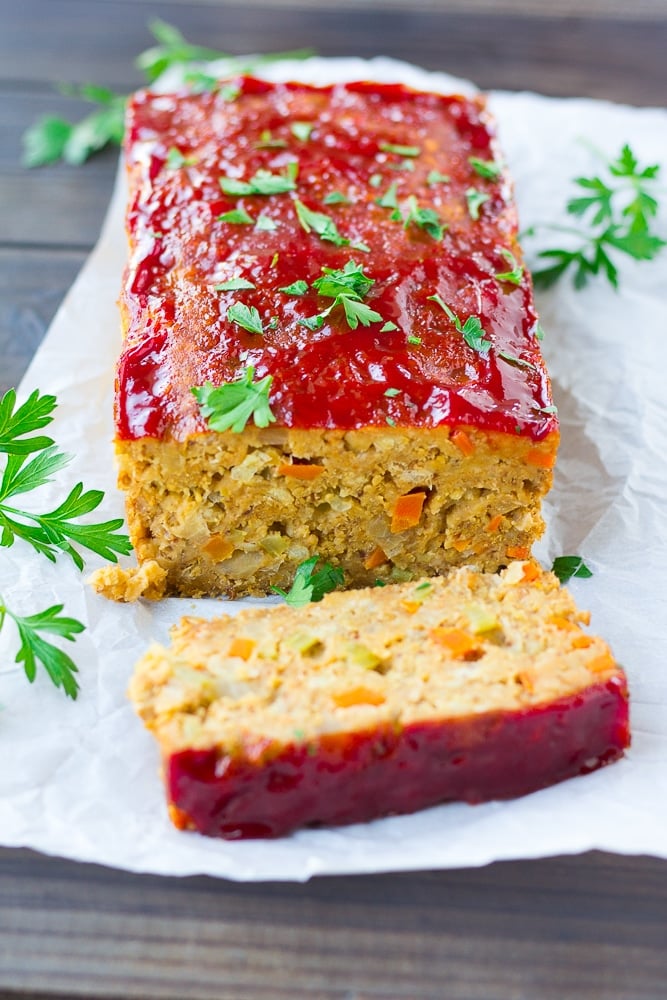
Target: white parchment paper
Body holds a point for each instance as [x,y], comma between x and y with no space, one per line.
[80,779]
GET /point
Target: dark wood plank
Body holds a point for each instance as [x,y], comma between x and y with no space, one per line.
[32,285]
[78,40]
[591,926]
[56,205]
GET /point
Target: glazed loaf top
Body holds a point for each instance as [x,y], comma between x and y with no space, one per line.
[241,198]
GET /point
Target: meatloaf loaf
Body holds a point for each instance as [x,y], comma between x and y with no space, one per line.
[387,700]
[330,341]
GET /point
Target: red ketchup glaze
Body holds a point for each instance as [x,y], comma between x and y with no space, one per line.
[350,778]
[333,377]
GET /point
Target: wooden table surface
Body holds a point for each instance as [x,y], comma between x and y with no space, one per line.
[593,926]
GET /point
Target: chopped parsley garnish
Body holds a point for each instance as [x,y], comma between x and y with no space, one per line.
[375,180]
[357,312]
[364,247]
[268,141]
[390,198]
[351,280]
[238,217]
[390,421]
[176,159]
[230,406]
[336,198]
[318,222]
[425,218]
[264,182]
[566,567]
[472,330]
[618,210]
[512,359]
[391,393]
[475,200]
[486,168]
[246,317]
[310,584]
[313,322]
[515,273]
[389,147]
[435,177]
[548,409]
[266,224]
[388,327]
[347,287]
[412,339]
[302,130]
[233,284]
[274,259]
[296,288]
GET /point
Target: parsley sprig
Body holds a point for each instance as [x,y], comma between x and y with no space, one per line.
[319,223]
[53,138]
[35,649]
[31,463]
[31,460]
[618,208]
[263,183]
[347,287]
[566,567]
[472,330]
[230,406]
[412,213]
[311,585]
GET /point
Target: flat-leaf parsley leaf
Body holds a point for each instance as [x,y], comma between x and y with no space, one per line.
[311,585]
[230,406]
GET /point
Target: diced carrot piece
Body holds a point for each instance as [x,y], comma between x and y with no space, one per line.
[526,679]
[358,696]
[462,442]
[300,470]
[541,459]
[179,818]
[407,512]
[377,558]
[563,623]
[218,548]
[241,647]
[582,641]
[460,544]
[599,664]
[459,643]
[517,552]
[410,606]
[531,571]
[494,523]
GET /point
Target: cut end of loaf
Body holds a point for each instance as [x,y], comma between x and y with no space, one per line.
[236,514]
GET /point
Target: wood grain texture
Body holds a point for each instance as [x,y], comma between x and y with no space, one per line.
[548,930]
[554,55]
[32,286]
[582,928]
